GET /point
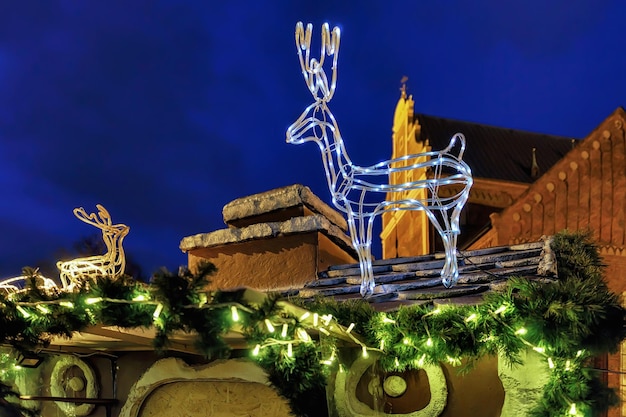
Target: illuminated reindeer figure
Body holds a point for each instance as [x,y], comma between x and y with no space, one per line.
[447,182]
[111,264]
[18,284]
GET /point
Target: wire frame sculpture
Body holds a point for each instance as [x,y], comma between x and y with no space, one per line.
[18,284]
[363,193]
[110,264]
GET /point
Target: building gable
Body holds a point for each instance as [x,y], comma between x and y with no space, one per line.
[586,189]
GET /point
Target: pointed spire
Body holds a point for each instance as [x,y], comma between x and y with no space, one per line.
[403,87]
[534,167]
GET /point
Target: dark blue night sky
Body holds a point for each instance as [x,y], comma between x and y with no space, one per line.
[164,111]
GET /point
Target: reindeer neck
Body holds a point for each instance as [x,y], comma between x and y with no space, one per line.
[334,155]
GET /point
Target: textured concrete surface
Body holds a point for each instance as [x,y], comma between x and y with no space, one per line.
[280,199]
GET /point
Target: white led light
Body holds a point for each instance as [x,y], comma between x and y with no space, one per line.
[349,183]
[350,327]
[290,350]
[256,350]
[234,313]
[269,325]
[157,311]
[283,333]
[572,409]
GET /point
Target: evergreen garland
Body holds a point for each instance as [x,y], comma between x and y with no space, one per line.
[568,322]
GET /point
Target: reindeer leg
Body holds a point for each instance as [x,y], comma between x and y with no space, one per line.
[363,250]
[367,276]
[450,272]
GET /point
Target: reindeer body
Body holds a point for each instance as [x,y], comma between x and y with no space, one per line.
[361,192]
[110,264]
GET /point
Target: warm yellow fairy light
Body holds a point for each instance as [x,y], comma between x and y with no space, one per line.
[323,330]
[203,300]
[290,350]
[364,352]
[568,365]
[471,317]
[256,350]
[43,309]
[388,320]
[579,353]
[453,361]
[550,363]
[382,344]
[157,311]
[396,362]
[316,319]
[269,325]
[406,341]
[234,313]
[429,342]
[350,327]
[283,333]
[23,311]
[305,316]
[140,297]
[67,304]
[420,361]
[93,300]
[326,319]
[500,309]
[572,409]
[521,331]
[539,349]
[303,335]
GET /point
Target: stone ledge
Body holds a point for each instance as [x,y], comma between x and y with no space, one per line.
[297,225]
[277,199]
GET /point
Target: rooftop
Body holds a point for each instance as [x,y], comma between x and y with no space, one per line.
[404,281]
[512,149]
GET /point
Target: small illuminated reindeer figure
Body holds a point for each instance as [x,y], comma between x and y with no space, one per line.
[18,284]
[447,182]
[111,264]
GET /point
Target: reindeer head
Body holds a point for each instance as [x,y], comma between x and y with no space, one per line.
[313,69]
[316,117]
[102,220]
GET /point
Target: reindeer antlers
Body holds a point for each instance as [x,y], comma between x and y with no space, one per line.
[312,69]
[105,217]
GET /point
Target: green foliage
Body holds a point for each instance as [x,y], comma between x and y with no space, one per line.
[567,322]
[8,406]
